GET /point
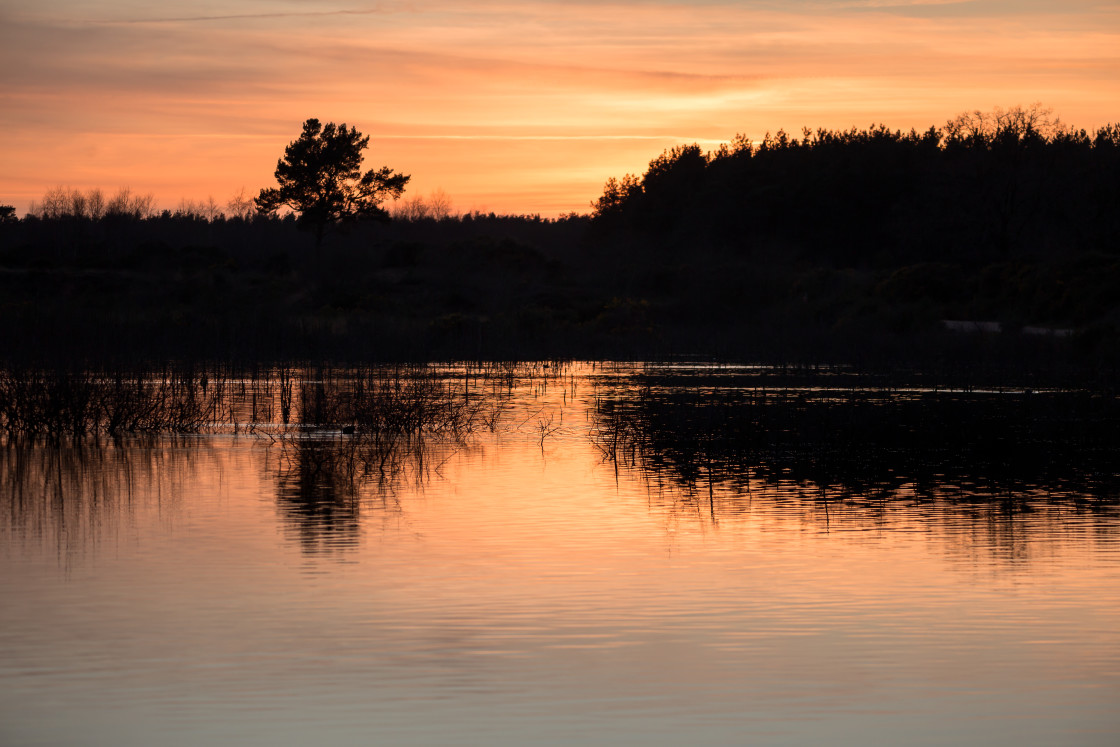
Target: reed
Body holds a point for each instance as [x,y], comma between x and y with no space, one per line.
[66,403]
[366,402]
[382,402]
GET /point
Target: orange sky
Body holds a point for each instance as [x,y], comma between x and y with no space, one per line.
[523,107]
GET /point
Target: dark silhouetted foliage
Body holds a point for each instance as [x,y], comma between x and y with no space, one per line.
[320,178]
[986,187]
[990,245]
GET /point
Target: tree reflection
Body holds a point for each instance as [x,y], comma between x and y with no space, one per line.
[994,462]
[317,492]
[325,481]
[70,495]
[347,440]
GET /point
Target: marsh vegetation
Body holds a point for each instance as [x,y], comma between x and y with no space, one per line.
[359,401]
[339,445]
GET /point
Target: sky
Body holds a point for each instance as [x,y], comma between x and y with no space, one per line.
[512,107]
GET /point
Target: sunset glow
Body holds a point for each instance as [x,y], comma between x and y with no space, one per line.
[521,107]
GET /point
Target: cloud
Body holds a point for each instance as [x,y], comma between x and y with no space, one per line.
[243,16]
[475,96]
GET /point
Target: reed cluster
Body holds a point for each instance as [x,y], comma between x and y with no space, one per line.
[374,403]
[382,402]
[68,403]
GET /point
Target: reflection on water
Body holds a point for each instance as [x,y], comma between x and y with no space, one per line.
[862,441]
[325,481]
[597,555]
[69,497]
[317,490]
[1001,465]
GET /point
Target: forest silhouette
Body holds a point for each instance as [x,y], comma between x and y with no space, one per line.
[990,242]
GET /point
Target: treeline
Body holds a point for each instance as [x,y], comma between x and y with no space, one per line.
[993,241]
[70,203]
[184,285]
[983,188]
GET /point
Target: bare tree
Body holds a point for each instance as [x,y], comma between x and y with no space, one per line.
[409,209]
[210,209]
[436,206]
[68,202]
[1016,122]
[241,206]
[439,204]
[125,204]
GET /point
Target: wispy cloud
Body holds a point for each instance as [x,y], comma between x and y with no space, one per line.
[490,97]
[893,3]
[242,16]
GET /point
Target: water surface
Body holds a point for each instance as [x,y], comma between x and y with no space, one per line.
[522,586]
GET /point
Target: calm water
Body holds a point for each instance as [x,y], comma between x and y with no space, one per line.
[520,587]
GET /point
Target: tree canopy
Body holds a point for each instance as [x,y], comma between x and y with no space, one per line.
[987,186]
[320,178]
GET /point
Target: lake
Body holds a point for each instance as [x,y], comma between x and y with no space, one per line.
[617,554]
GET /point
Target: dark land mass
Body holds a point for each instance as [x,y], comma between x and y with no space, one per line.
[974,248]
